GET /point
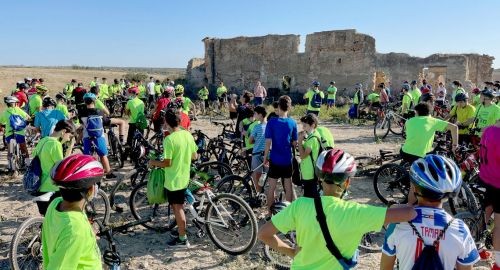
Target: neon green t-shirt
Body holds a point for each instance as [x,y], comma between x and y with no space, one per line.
[326,136]
[407,100]
[5,120]
[35,102]
[309,96]
[476,101]
[114,89]
[347,223]
[373,97]
[49,151]
[415,95]
[251,126]
[186,104]
[63,108]
[92,83]
[332,92]
[134,105]
[68,89]
[355,99]
[158,89]
[68,241]
[420,132]
[99,104]
[142,90]
[221,90]
[463,114]
[179,146]
[104,91]
[306,165]
[203,94]
[487,116]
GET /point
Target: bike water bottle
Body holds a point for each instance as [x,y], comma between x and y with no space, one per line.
[189,197]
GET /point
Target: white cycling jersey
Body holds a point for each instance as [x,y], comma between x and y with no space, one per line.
[456,245]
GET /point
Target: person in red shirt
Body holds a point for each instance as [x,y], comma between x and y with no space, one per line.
[20,94]
[161,105]
[176,104]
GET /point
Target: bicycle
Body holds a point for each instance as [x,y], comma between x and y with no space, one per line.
[26,245]
[388,121]
[114,146]
[16,160]
[211,214]
[368,165]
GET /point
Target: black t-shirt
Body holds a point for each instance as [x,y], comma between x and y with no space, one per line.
[78,94]
[242,113]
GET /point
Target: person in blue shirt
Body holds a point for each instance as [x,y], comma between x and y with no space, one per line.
[47,118]
[281,135]
[259,143]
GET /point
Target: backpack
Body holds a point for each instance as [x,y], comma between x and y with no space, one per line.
[17,122]
[32,176]
[94,126]
[429,257]
[316,100]
[155,187]
[141,122]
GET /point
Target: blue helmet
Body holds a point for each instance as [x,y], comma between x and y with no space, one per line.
[315,83]
[406,86]
[89,96]
[435,177]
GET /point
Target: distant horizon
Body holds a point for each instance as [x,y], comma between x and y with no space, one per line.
[154,33]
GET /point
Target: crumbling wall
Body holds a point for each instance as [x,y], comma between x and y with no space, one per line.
[195,73]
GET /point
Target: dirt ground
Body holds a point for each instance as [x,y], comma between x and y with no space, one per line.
[143,249]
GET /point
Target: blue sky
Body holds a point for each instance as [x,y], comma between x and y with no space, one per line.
[169,33]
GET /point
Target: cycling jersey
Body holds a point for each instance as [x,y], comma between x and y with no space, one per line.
[142,91]
[63,108]
[487,116]
[68,89]
[104,91]
[456,245]
[407,100]
[161,104]
[68,241]
[179,147]
[186,102]
[35,103]
[46,121]
[114,89]
[310,96]
[420,132]
[157,89]
[49,151]
[332,92]
[22,97]
[347,223]
[135,106]
[221,91]
[312,142]
[463,114]
[5,120]
[185,121]
[476,101]
[415,95]
[490,156]
[326,136]
[203,93]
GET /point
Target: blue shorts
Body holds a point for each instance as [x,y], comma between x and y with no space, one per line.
[100,143]
[19,138]
[257,101]
[330,102]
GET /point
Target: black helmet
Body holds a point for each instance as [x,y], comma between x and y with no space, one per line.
[460,97]
[48,101]
[61,96]
[23,86]
[488,93]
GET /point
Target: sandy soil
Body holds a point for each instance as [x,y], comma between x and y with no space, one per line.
[142,249]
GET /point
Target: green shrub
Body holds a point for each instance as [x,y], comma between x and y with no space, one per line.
[334,113]
[136,76]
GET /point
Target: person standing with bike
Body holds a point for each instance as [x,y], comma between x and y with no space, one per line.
[13,121]
[314,98]
[420,131]
[68,240]
[344,222]
[259,144]
[464,113]
[179,149]
[433,179]
[133,107]
[309,145]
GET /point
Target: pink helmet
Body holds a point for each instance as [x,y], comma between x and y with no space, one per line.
[133,90]
[334,166]
[476,91]
[77,172]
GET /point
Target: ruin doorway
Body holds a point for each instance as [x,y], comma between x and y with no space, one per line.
[434,75]
[286,83]
[378,78]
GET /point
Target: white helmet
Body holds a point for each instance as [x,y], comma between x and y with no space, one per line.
[334,166]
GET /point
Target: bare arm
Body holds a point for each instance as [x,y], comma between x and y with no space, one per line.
[161,164]
[267,234]
[399,213]
[454,134]
[387,262]
[251,140]
[266,150]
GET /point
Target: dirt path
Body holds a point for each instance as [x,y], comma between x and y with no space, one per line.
[143,249]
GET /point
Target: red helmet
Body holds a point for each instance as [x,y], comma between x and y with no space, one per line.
[133,90]
[77,172]
[425,90]
[334,166]
[476,91]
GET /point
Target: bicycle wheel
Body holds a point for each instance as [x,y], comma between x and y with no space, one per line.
[372,241]
[464,201]
[98,208]
[117,151]
[231,224]
[277,259]
[366,165]
[381,128]
[239,165]
[211,172]
[391,183]
[397,125]
[162,215]
[26,245]
[476,226]
[237,185]
[13,157]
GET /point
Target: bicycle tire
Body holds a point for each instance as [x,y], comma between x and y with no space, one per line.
[212,172]
[397,125]
[398,178]
[474,223]
[372,242]
[239,165]
[33,249]
[161,215]
[13,156]
[117,151]
[464,200]
[366,165]
[99,208]
[237,205]
[237,185]
[381,128]
[278,260]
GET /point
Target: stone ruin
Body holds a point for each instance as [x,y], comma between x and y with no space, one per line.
[343,56]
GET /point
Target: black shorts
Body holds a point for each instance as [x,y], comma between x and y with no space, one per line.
[176,197]
[492,197]
[233,115]
[408,157]
[279,171]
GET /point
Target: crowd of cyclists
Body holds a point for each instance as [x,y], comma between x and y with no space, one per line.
[328,227]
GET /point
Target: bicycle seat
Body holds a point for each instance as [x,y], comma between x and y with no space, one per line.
[44,197]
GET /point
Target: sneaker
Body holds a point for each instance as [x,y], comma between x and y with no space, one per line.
[111,176]
[176,242]
[484,254]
